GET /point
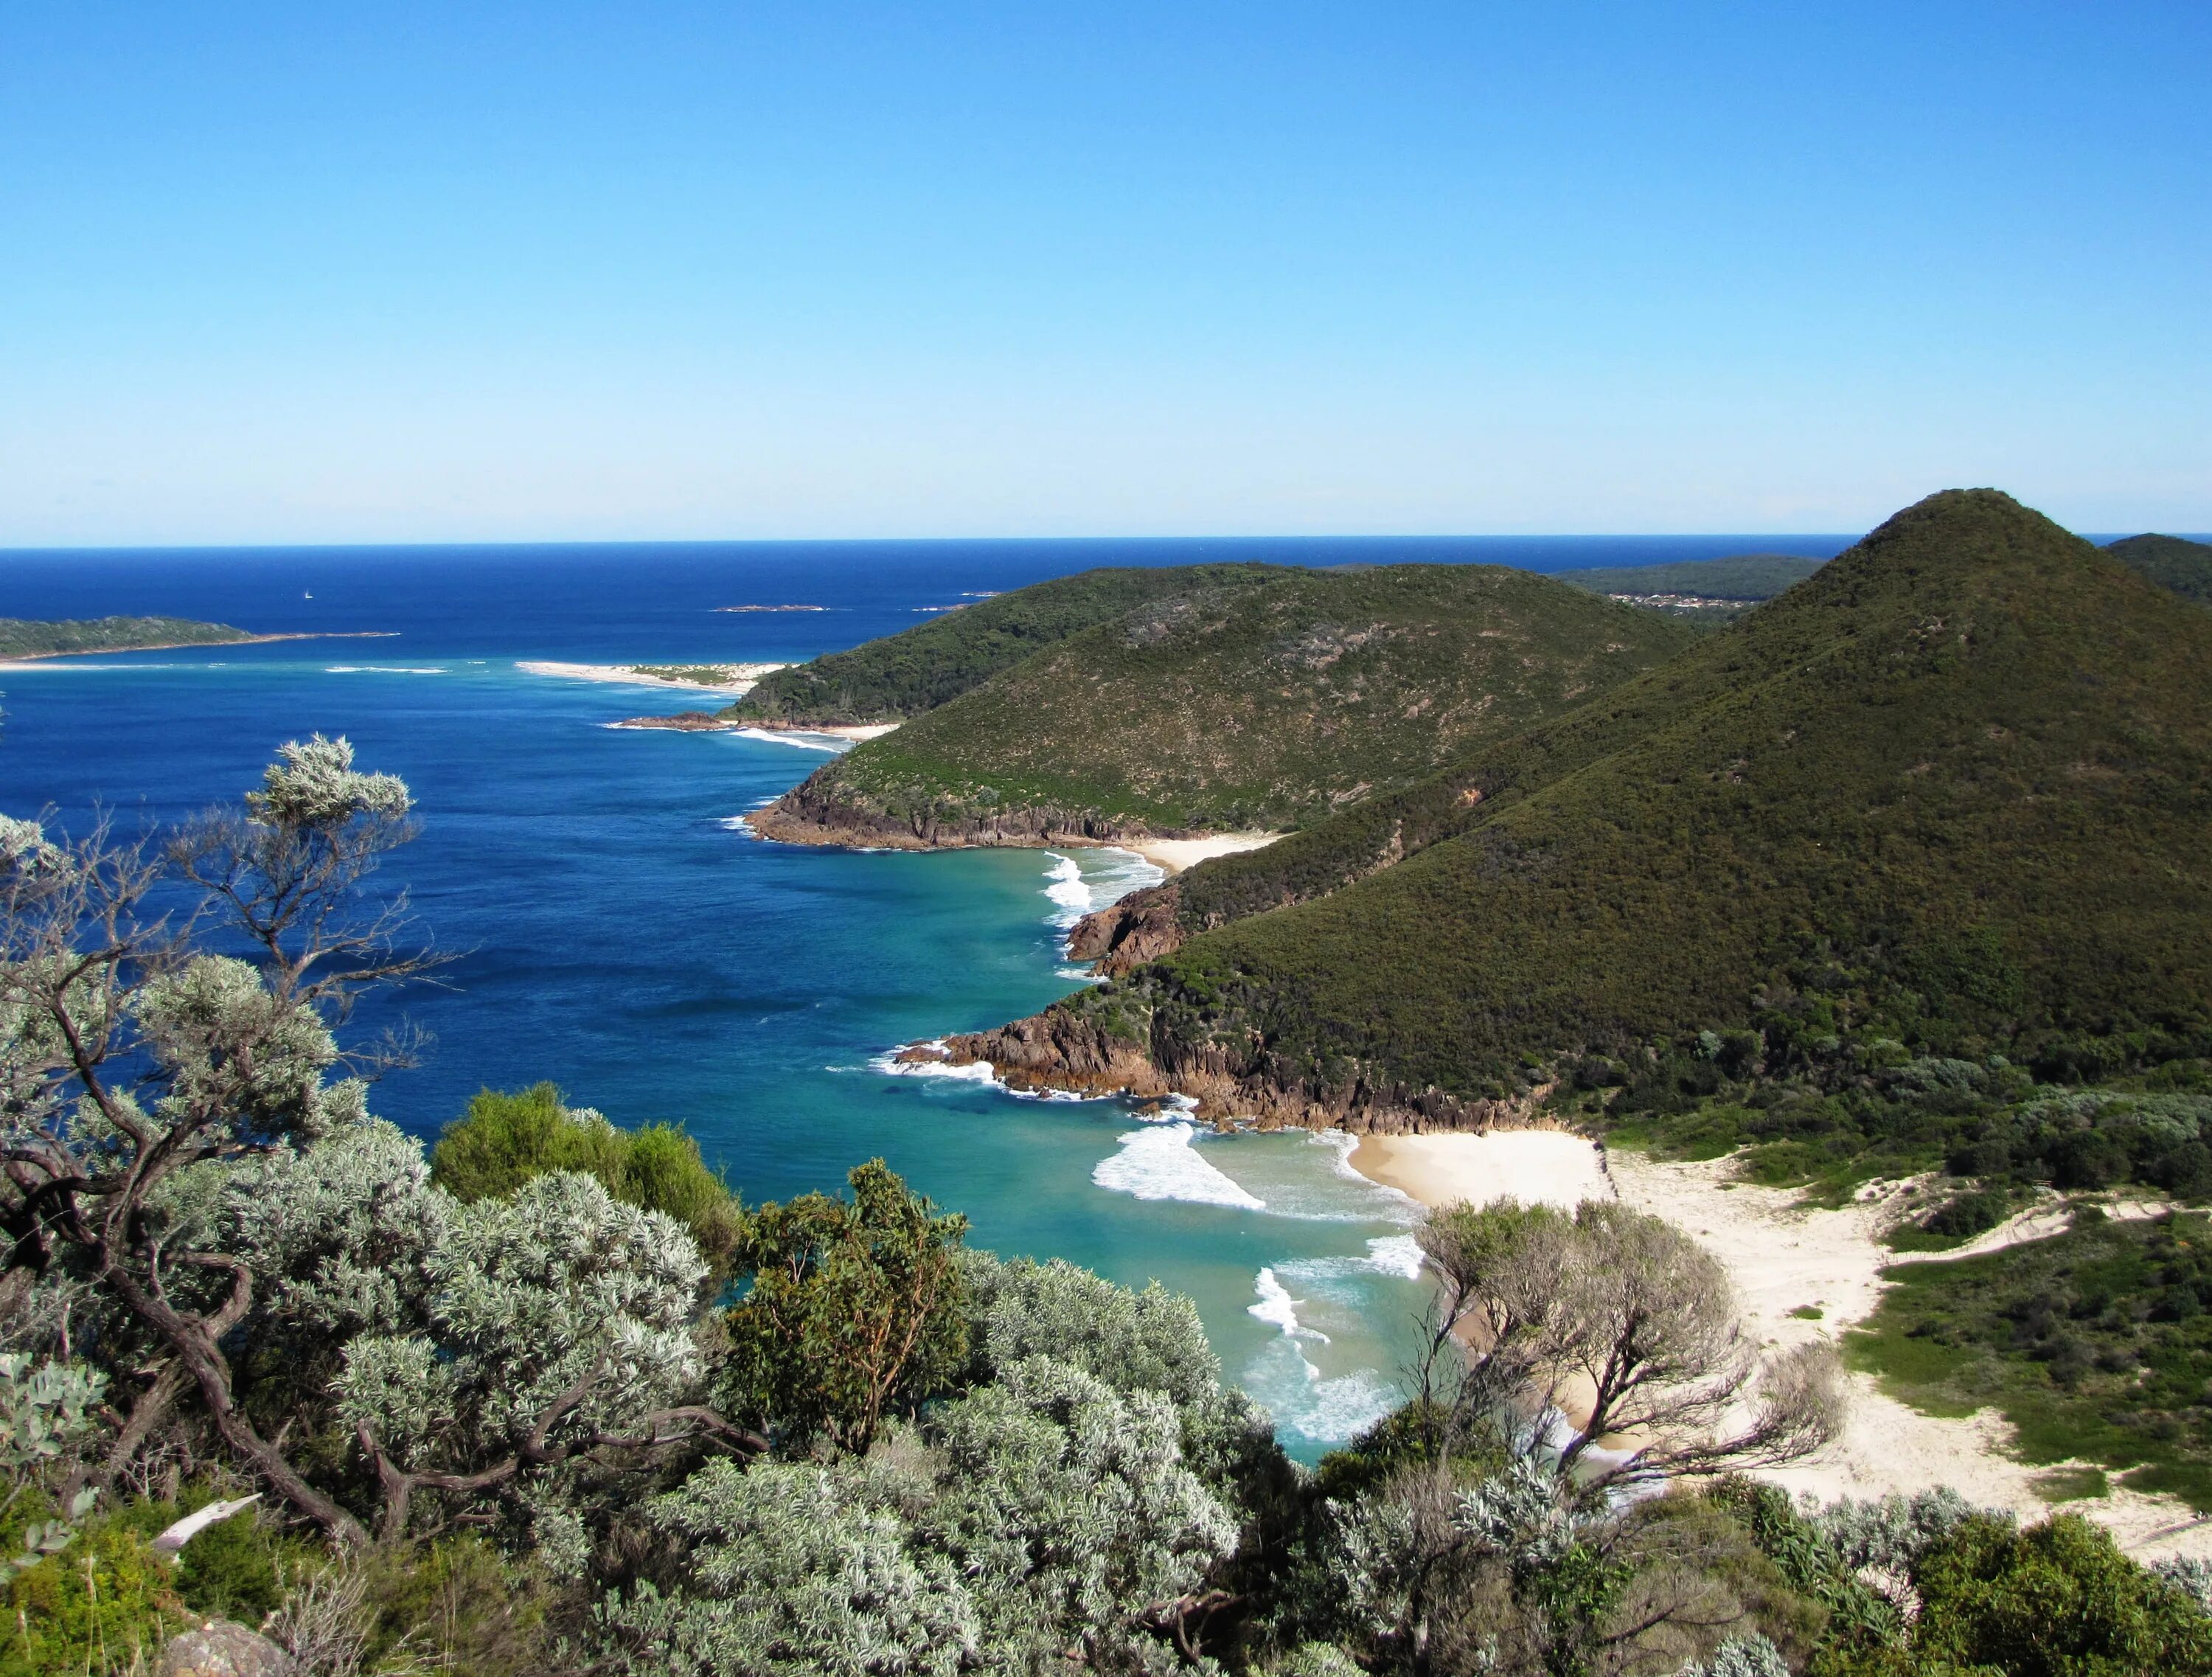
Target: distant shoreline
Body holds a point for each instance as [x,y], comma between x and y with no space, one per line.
[741,676]
[196,646]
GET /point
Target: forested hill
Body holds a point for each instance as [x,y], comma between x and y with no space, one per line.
[1216,709]
[1745,577]
[903,675]
[23,637]
[1968,765]
[2171,561]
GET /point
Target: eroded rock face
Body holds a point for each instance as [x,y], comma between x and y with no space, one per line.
[1058,1050]
[220,1649]
[1143,926]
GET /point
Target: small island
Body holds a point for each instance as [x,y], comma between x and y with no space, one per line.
[22,640]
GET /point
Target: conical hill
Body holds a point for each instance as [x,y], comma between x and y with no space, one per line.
[1969,762]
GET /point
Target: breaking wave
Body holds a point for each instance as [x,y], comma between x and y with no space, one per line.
[1159,1161]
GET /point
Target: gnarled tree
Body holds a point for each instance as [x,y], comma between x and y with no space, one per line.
[1615,1325]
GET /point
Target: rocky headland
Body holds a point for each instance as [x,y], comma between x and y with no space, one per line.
[1061,1050]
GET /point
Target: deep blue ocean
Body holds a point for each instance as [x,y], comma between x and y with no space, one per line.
[616,934]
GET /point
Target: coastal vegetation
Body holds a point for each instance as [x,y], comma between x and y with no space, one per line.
[1706,591]
[2171,561]
[1265,706]
[21,637]
[2095,1344]
[1944,801]
[1746,577]
[504,1415]
[902,676]
[695,675]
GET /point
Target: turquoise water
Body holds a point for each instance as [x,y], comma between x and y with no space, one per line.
[614,931]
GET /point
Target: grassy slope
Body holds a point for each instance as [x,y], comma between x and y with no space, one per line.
[22,638]
[2185,566]
[1266,707]
[2096,1343]
[1742,576]
[1973,726]
[903,675]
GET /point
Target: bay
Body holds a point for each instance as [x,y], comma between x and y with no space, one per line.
[616,931]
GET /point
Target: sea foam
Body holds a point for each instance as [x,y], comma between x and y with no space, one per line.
[805,742]
[1159,1163]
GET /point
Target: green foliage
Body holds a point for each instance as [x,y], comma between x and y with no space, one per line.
[699,675]
[504,1140]
[2171,561]
[23,638]
[458,1602]
[106,1599]
[2058,1600]
[553,1315]
[1972,758]
[904,675]
[1745,577]
[1265,706]
[1041,1511]
[2096,1343]
[851,1311]
[45,1416]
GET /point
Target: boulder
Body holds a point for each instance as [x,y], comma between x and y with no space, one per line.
[220,1649]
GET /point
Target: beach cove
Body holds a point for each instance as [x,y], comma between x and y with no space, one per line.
[1801,1273]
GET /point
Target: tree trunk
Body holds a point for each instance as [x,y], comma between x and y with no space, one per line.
[200,1359]
[153,1404]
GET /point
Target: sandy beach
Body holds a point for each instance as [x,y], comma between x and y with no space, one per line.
[743,678]
[1784,1257]
[1176,855]
[1536,1167]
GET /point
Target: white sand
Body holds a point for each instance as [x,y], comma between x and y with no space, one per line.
[852,730]
[742,677]
[1176,855]
[1783,1257]
[1546,1166]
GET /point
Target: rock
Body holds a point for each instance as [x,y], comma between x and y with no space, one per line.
[684,721]
[220,1649]
[1142,927]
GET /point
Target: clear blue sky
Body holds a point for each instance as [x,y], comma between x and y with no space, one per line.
[330,272]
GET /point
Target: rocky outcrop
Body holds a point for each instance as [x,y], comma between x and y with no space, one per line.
[684,721]
[220,1649]
[1143,926]
[1061,1049]
[814,812]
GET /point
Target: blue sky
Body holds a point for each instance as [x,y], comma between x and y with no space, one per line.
[487,272]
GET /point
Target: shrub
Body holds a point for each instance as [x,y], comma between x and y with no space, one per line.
[504,1140]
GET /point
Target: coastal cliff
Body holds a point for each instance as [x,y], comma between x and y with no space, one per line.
[812,812]
[1066,1048]
[1142,927]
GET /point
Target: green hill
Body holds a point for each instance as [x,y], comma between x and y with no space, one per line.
[1220,709]
[21,637]
[903,675]
[2171,562]
[1744,577]
[1953,790]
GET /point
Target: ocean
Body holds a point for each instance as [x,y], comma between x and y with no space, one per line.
[614,931]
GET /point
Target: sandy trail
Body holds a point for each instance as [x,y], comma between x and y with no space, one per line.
[1784,1257]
